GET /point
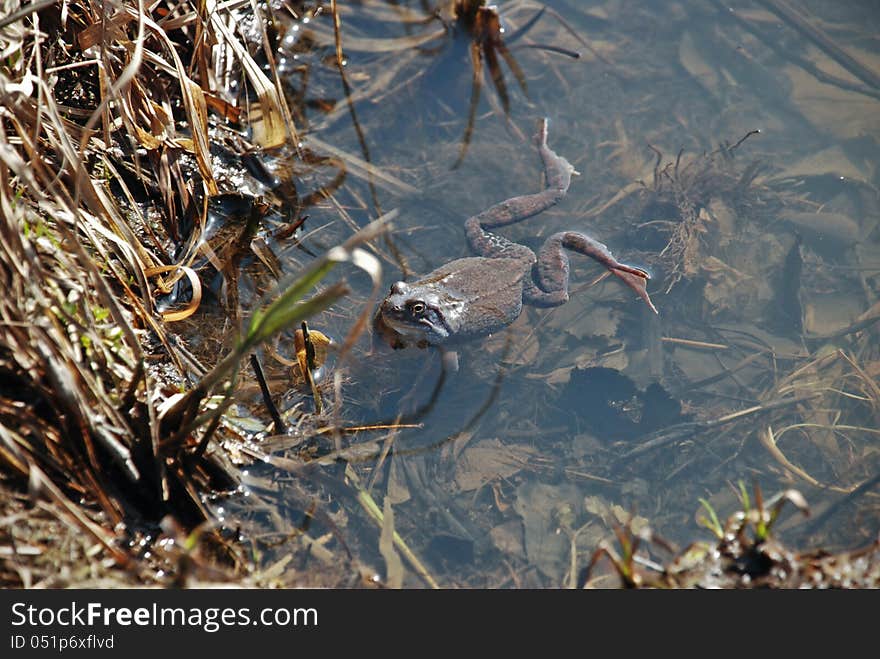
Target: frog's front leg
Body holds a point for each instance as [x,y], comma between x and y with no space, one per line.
[549,284]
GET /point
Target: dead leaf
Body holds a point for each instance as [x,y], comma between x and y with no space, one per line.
[697,65]
[519,343]
[596,506]
[612,513]
[832,161]
[398,491]
[824,230]
[556,377]
[319,340]
[148,140]
[725,285]
[489,460]
[508,538]
[625,518]
[843,113]
[546,547]
[587,321]
[827,313]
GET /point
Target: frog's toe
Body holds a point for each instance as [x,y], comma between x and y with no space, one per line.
[637,281]
[541,135]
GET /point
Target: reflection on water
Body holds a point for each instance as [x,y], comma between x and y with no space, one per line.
[762,365]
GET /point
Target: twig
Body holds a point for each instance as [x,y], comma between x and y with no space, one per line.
[835,507]
[786,12]
[681,430]
[27,10]
[771,40]
[373,510]
[280,426]
[695,344]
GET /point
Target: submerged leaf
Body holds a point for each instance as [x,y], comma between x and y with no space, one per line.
[508,538]
[825,231]
[489,460]
[828,162]
[827,313]
[538,505]
[845,114]
[393,564]
[696,64]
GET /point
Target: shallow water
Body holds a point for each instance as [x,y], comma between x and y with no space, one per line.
[763,258]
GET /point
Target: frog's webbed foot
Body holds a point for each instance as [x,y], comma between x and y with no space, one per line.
[557,169]
[552,266]
[636,279]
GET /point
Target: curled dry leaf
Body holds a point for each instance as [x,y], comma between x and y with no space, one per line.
[195,283]
[319,340]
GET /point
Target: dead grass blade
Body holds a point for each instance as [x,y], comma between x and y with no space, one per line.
[393,564]
[195,284]
[372,509]
[769,441]
[681,430]
[193,102]
[361,168]
[270,118]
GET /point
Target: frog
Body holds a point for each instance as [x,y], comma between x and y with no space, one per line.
[477,296]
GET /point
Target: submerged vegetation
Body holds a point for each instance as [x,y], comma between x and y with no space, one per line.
[176,197]
[745,554]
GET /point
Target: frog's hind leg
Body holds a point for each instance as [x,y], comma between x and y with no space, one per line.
[558,172]
[551,271]
[557,169]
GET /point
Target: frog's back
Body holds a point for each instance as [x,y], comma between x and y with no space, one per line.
[488,293]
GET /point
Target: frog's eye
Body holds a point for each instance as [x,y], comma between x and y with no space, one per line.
[417,308]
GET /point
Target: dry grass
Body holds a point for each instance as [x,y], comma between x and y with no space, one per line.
[107,109]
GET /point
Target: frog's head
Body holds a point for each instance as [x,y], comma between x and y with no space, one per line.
[419,314]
